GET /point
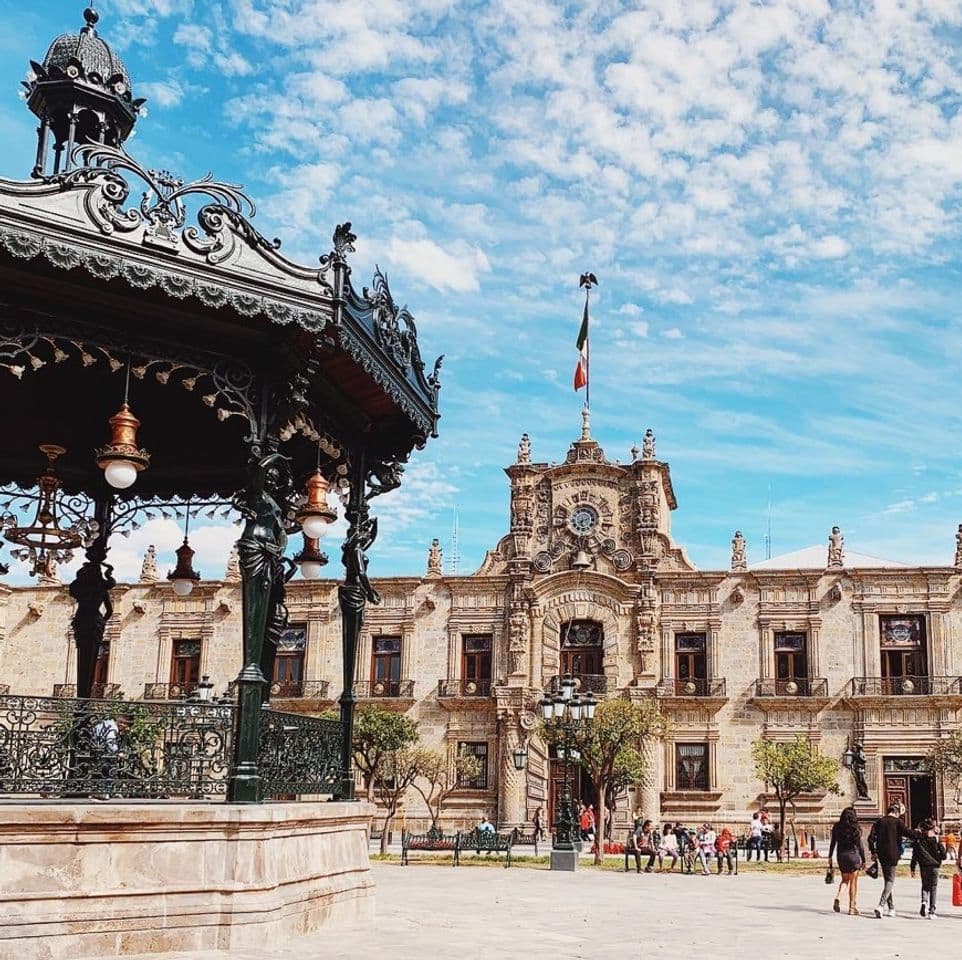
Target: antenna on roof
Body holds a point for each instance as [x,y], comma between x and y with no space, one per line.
[768,536]
[453,558]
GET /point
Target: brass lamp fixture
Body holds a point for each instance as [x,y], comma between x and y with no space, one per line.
[44,537]
[311,560]
[183,577]
[315,515]
[122,459]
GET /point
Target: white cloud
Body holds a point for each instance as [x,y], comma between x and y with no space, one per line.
[162,93]
[457,269]
[673,333]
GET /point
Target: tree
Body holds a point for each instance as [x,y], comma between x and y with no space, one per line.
[791,769]
[612,748]
[398,769]
[441,777]
[945,759]
[378,733]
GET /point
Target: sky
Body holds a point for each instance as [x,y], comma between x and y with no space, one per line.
[768,193]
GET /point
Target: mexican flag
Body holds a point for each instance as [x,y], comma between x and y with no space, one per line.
[581,371]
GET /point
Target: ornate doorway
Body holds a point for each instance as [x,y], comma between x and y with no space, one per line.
[906,783]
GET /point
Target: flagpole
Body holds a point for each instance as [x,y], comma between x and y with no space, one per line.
[587,354]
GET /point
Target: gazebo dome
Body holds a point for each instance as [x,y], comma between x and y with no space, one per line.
[81,94]
[88,57]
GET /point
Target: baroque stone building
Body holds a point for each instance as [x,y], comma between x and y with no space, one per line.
[834,646]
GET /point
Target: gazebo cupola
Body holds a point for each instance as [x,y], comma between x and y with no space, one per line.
[81,94]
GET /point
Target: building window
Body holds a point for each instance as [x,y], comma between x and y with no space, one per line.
[102,667]
[791,657]
[582,643]
[480,751]
[185,667]
[902,651]
[289,663]
[476,664]
[691,663]
[386,667]
[691,766]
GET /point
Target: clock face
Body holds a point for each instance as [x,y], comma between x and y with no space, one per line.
[583,520]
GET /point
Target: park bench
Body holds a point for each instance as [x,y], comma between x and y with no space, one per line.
[521,839]
[488,842]
[432,841]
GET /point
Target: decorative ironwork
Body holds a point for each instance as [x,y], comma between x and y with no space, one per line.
[697,687]
[106,691]
[595,683]
[301,689]
[58,747]
[298,754]
[905,686]
[171,691]
[904,765]
[376,689]
[582,633]
[464,688]
[800,687]
[61,690]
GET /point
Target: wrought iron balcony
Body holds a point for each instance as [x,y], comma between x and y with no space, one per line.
[596,683]
[384,689]
[64,690]
[301,690]
[169,691]
[905,686]
[106,691]
[464,688]
[696,687]
[800,687]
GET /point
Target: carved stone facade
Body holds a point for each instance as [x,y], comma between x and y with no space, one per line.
[838,648]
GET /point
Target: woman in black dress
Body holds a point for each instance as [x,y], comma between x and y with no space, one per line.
[850,852]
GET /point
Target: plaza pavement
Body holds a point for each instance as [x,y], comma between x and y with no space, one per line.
[442,913]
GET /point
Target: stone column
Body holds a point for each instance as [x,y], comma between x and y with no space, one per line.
[649,790]
[512,781]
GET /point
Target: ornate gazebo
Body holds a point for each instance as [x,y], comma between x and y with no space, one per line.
[165,365]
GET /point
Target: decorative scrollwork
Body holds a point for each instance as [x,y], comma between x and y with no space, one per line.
[299,754]
[393,326]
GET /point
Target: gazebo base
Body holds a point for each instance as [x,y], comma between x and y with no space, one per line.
[83,879]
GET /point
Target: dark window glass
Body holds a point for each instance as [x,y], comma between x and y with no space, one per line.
[691,766]
[386,666]
[185,666]
[479,750]
[476,659]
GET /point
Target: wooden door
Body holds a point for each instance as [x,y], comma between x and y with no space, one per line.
[897,791]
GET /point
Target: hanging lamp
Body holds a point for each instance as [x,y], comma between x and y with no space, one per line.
[122,459]
[315,515]
[311,560]
[184,576]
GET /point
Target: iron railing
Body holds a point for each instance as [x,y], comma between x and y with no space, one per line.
[106,691]
[800,687]
[905,686]
[464,688]
[301,690]
[67,747]
[378,689]
[299,755]
[59,747]
[68,690]
[596,683]
[169,691]
[698,687]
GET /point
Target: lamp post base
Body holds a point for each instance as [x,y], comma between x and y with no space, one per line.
[564,860]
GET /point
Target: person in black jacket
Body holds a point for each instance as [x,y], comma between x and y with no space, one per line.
[928,854]
[885,843]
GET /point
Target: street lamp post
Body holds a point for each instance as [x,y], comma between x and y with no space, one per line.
[565,716]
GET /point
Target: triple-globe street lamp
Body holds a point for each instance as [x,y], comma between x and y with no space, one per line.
[567,715]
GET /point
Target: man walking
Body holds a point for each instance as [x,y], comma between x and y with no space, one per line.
[885,843]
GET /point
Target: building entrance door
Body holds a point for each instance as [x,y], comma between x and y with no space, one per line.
[915,792]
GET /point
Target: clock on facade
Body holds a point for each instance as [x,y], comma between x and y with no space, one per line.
[583,520]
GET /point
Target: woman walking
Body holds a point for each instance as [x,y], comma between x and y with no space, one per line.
[849,849]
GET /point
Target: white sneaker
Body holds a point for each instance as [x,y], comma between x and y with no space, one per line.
[891,912]
[931,914]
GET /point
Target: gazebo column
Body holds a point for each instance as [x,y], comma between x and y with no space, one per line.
[353,595]
[263,575]
[91,589]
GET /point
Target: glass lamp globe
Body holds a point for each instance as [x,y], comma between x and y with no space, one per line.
[314,527]
[182,588]
[120,474]
[310,570]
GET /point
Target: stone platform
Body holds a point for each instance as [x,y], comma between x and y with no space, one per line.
[81,879]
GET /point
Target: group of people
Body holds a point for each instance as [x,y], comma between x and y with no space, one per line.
[681,845]
[886,843]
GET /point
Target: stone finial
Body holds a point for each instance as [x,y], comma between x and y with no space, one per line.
[233,573]
[435,567]
[148,571]
[648,445]
[48,574]
[635,453]
[585,424]
[836,548]
[524,449]
[958,547]
[739,554]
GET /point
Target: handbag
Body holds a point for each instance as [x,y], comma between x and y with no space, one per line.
[957,889]
[830,875]
[872,870]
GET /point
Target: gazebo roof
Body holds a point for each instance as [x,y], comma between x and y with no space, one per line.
[83,273]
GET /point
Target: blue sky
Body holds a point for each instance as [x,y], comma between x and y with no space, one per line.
[768,192]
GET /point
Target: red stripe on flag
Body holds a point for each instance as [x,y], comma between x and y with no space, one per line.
[581,375]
